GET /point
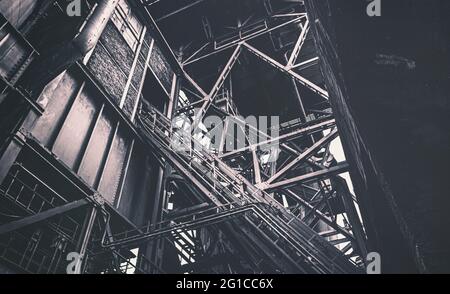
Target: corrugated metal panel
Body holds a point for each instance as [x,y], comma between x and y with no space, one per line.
[56,100]
[138,185]
[112,173]
[17,11]
[97,150]
[15,53]
[76,130]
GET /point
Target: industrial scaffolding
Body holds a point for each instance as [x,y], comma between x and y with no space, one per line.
[206,210]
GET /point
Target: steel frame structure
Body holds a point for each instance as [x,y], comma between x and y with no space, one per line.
[294,215]
[273,179]
[307,165]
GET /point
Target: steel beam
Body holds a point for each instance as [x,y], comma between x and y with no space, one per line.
[305,64]
[320,215]
[179,10]
[209,99]
[352,215]
[85,238]
[298,46]
[310,85]
[338,169]
[30,220]
[322,125]
[306,154]
[256,167]
[268,30]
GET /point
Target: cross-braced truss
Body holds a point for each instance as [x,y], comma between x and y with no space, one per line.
[297,206]
[233,210]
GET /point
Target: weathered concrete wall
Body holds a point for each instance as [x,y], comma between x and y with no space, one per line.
[389,82]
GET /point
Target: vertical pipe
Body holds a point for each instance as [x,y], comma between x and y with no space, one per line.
[157,210]
[63,57]
[85,237]
[93,28]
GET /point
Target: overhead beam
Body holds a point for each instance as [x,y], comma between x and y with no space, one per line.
[214,51]
[179,10]
[335,170]
[209,99]
[309,152]
[30,220]
[225,72]
[308,84]
[287,137]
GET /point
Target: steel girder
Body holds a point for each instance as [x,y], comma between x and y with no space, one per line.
[303,162]
[288,228]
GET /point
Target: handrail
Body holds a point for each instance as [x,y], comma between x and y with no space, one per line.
[233,195]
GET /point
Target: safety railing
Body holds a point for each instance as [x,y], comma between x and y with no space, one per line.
[233,196]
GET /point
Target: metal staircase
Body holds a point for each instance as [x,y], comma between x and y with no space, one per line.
[291,244]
